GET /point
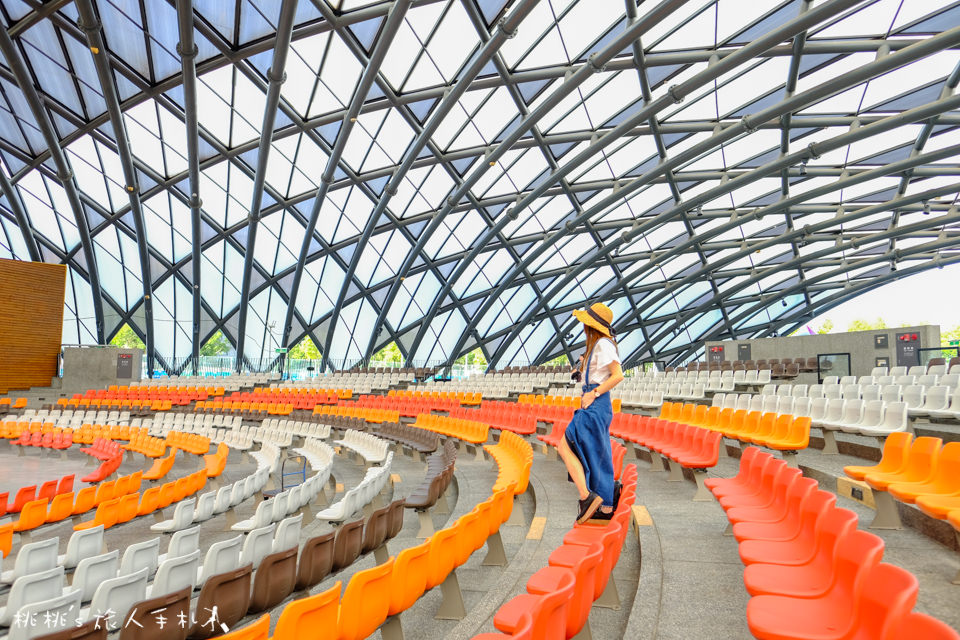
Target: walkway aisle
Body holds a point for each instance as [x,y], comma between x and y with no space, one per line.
[692,580]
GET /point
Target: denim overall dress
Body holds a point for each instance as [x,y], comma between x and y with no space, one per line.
[588,436]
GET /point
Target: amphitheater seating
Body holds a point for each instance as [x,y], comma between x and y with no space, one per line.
[440,466]
[921,471]
[466,430]
[514,457]
[812,574]
[559,596]
[417,439]
[368,446]
[507,416]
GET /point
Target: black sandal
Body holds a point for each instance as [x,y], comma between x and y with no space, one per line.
[588,506]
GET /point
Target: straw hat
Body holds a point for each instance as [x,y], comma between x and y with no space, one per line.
[599,316]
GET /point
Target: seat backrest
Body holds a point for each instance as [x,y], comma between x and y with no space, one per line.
[229,592]
[183,542]
[83,543]
[205,506]
[891,393]
[32,587]
[221,557]
[118,595]
[258,544]
[409,579]
[176,573]
[365,602]
[54,615]
[316,560]
[92,570]
[141,555]
[274,580]
[802,406]
[34,557]
[288,533]
[162,617]
[304,616]
[349,541]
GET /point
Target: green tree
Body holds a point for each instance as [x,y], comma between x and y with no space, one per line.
[474,357]
[304,350]
[826,327]
[217,345]
[559,361]
[866,325]
[126,338]
[390,354]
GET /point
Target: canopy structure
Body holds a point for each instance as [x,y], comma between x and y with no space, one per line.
[454,174]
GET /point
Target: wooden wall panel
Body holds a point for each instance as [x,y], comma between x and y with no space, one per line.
[31,322]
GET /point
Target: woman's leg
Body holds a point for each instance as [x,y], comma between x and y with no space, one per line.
[574,468]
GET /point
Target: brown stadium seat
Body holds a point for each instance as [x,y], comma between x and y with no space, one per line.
[375,530]
[144,622]
[274,580]
[230,593]
[395,518]
[316,561]
[346,547]
[91,630]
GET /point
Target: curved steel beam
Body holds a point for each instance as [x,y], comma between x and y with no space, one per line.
[187,49]
[230,56]
[64,170]
[785,205]
[90,24]
[393,21]
[675,94]
[276,75]
[570,84]
[16,205]
[476,64]
[802,315]
[892,233]
[799,262]
[811,96]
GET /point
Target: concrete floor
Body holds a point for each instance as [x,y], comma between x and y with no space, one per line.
[688,585]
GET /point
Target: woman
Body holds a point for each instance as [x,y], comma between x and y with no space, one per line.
[585,449]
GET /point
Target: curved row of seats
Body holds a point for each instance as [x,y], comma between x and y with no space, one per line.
[439,474]
[48,490]
[393,586]
[467,430]
[370,415]
[407,405]
[417,439]
[74,418]
[250,409]
[139,405]
[122,592]
[811,573]
[42,508]
[783,432]
[505,416]
[299,398]
[559,596]
[921,471]
[12,429]
[684,446]
[371,448]
[7,404]
[51,439]
[361,495]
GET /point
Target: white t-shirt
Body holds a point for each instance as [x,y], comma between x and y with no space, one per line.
[604,353]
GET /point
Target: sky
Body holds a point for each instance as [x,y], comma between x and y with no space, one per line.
[925,298]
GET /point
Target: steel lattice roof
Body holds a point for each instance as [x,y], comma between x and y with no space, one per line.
[451,174]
